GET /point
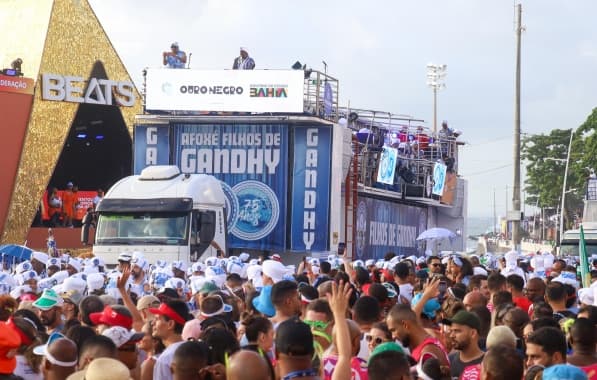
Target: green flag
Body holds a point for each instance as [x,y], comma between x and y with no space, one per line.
[584,260]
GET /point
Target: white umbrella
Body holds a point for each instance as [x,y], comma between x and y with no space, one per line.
[436,234]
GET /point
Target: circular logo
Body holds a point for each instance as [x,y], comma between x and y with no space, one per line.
[231,204]
[167,88]
[361,231]
[258,211]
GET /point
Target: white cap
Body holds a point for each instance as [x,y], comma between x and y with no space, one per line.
[73,283]
[198,267]
[180,265]
[274,270]
[95,281]
[40,256]
[585,295]
[244,257]
[75,263]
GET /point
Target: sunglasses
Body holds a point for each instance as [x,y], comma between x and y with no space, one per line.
[435,264]
[377,340]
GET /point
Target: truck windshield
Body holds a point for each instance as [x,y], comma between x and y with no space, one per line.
[572,249]
[143,228]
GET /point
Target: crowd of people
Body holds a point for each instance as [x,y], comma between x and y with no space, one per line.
[432,317]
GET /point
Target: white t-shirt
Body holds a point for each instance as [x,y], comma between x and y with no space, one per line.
[24,370]
[406,291]
[161,371]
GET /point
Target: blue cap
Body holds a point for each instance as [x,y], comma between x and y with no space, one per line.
[564,372]
[431,306]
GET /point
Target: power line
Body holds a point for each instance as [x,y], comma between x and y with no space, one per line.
[487,170]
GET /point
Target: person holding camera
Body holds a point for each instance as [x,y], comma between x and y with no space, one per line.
[175,58]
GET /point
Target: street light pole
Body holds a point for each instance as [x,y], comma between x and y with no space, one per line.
[516,191]
[435,76]
[564,188]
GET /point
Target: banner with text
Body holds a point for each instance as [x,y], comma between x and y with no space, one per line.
[311,188]
[251,162]
[384,226]
[152,146]
[225,90]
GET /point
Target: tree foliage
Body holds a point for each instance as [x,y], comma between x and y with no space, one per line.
[545,159]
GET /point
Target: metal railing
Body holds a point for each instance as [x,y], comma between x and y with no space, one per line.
[316,102]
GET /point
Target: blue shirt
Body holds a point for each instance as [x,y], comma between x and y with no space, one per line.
[176,62]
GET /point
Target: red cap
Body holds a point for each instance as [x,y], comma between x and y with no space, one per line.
[168,312]
[111,317]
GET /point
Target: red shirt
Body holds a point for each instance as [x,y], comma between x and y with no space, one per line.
[522,302]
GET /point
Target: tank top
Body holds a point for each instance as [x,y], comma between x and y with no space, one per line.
[417,351]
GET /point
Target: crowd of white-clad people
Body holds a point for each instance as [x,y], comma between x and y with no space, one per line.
[432,317]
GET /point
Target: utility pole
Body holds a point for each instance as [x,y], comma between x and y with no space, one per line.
[516,190]
[494,214]
[563,206]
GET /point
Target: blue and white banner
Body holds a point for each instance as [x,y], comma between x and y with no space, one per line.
[384,226]
[387,165]
[439,179]
[251,161]
[151,145]
[311,188]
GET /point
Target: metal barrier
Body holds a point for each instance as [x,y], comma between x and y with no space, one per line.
[315,101]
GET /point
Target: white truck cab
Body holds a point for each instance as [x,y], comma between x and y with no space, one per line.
[164,214]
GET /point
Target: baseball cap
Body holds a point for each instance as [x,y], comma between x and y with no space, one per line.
[294,338]
[464,318]
[431,306]
[48,300]
[148,301]
[111,317]
[9,340]
[563,372]
[103,368]
[169,312]
[120,335]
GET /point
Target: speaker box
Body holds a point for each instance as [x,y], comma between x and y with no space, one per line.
[414,190]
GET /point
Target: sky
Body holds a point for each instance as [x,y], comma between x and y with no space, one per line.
[379,51]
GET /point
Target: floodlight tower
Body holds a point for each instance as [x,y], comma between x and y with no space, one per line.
[435,79]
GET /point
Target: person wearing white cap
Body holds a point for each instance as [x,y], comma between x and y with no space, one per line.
[272,272]
[175,58]
[138,275]
[39,261]
[243,62]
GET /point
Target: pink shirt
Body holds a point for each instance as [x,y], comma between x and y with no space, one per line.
[358,368]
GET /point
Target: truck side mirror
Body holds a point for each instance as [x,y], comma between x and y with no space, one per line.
[207,227]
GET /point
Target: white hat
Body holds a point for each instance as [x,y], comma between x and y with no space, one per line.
[244,49]
[358,263]
[479,271]
[198,267]
[73,283]
[215,274]
[75,263]
[24,266]
[253,262]
[234,267]
[314,261]
[120,335]
[254,273]
[60,276]
[40,256]
[369,262]
[125,256]
[585,295]
[567,278]
[46,283]
[161,263]
[197,283]
[211,261]
[20,290]
[174,283]
[26,276]
[180,265]
[244,257]
[274,270]
[95,281]
[53,262]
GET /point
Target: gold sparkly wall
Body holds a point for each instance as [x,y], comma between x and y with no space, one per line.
[74,41]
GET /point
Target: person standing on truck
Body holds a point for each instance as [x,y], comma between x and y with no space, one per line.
[175,58]
[69,204]
[243,62]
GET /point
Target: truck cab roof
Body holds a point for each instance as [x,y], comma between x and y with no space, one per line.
[168,182]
